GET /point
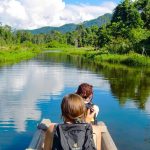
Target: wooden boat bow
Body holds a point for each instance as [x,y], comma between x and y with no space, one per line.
[37,142]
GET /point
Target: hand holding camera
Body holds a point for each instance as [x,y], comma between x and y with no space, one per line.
[90,106]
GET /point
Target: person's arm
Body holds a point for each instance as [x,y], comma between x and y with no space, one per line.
[48,141]
[89,116]
[97,131]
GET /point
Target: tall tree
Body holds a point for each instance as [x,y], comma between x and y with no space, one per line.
[144,8]
[127,15]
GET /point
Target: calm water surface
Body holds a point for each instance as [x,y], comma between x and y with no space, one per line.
[32,90]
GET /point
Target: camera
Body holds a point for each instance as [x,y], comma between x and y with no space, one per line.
[89,106]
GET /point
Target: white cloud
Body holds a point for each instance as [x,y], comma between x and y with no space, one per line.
[15,10]
[37,13]
[80,13]
[1,9]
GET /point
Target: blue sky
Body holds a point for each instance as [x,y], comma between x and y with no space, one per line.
[92,2]
[31,14]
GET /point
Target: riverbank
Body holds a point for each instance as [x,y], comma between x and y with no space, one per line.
[15,53]
[130,59]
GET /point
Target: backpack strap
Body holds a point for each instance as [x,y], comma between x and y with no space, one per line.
[89,141]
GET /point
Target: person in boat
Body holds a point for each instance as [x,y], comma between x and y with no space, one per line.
[85,90]
[74,115]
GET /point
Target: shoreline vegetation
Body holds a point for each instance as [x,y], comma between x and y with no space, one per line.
[131,59]
[15,53]
[124,39]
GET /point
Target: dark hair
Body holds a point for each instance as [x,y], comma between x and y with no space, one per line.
[73,108]
[85,90]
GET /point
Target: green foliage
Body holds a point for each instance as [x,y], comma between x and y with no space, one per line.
[10,54]
[22,36]
[131,59]
[104,36]
[6,35]
[144,7]
[139,34]
[102,56]
[138,37]
[128,30]
[146,46]
[134,59]
[127,14]
[119,46]
[28,44]
[55,44]
[82,36]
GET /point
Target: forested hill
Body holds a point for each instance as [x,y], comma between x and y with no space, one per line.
[70,27]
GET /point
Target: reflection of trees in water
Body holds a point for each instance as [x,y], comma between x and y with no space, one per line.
[126,83]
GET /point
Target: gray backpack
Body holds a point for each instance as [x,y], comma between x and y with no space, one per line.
[73,137]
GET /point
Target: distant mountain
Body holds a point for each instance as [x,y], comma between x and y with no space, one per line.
[106,18]
[70,27]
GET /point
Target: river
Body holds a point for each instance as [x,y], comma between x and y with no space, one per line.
[33,89]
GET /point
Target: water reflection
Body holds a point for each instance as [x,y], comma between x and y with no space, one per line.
[126,84]
[21,89]
[23,85]
[130,85]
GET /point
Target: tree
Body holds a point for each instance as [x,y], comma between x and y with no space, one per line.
[6,35]
[144,8]
[104,36]
[81,35]
[127,15]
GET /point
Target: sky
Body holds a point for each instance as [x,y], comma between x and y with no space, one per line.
[32,14]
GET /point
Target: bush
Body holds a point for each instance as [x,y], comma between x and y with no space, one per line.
[119,46]
[28,44]
[135,59]
[55,44]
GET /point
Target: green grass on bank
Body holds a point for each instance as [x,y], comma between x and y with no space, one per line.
[130,59]
[74,50]
[15,53]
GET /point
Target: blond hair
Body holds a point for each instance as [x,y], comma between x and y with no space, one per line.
[73,108]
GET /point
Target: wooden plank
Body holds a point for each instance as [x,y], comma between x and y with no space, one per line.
[107,141]
[38,138]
